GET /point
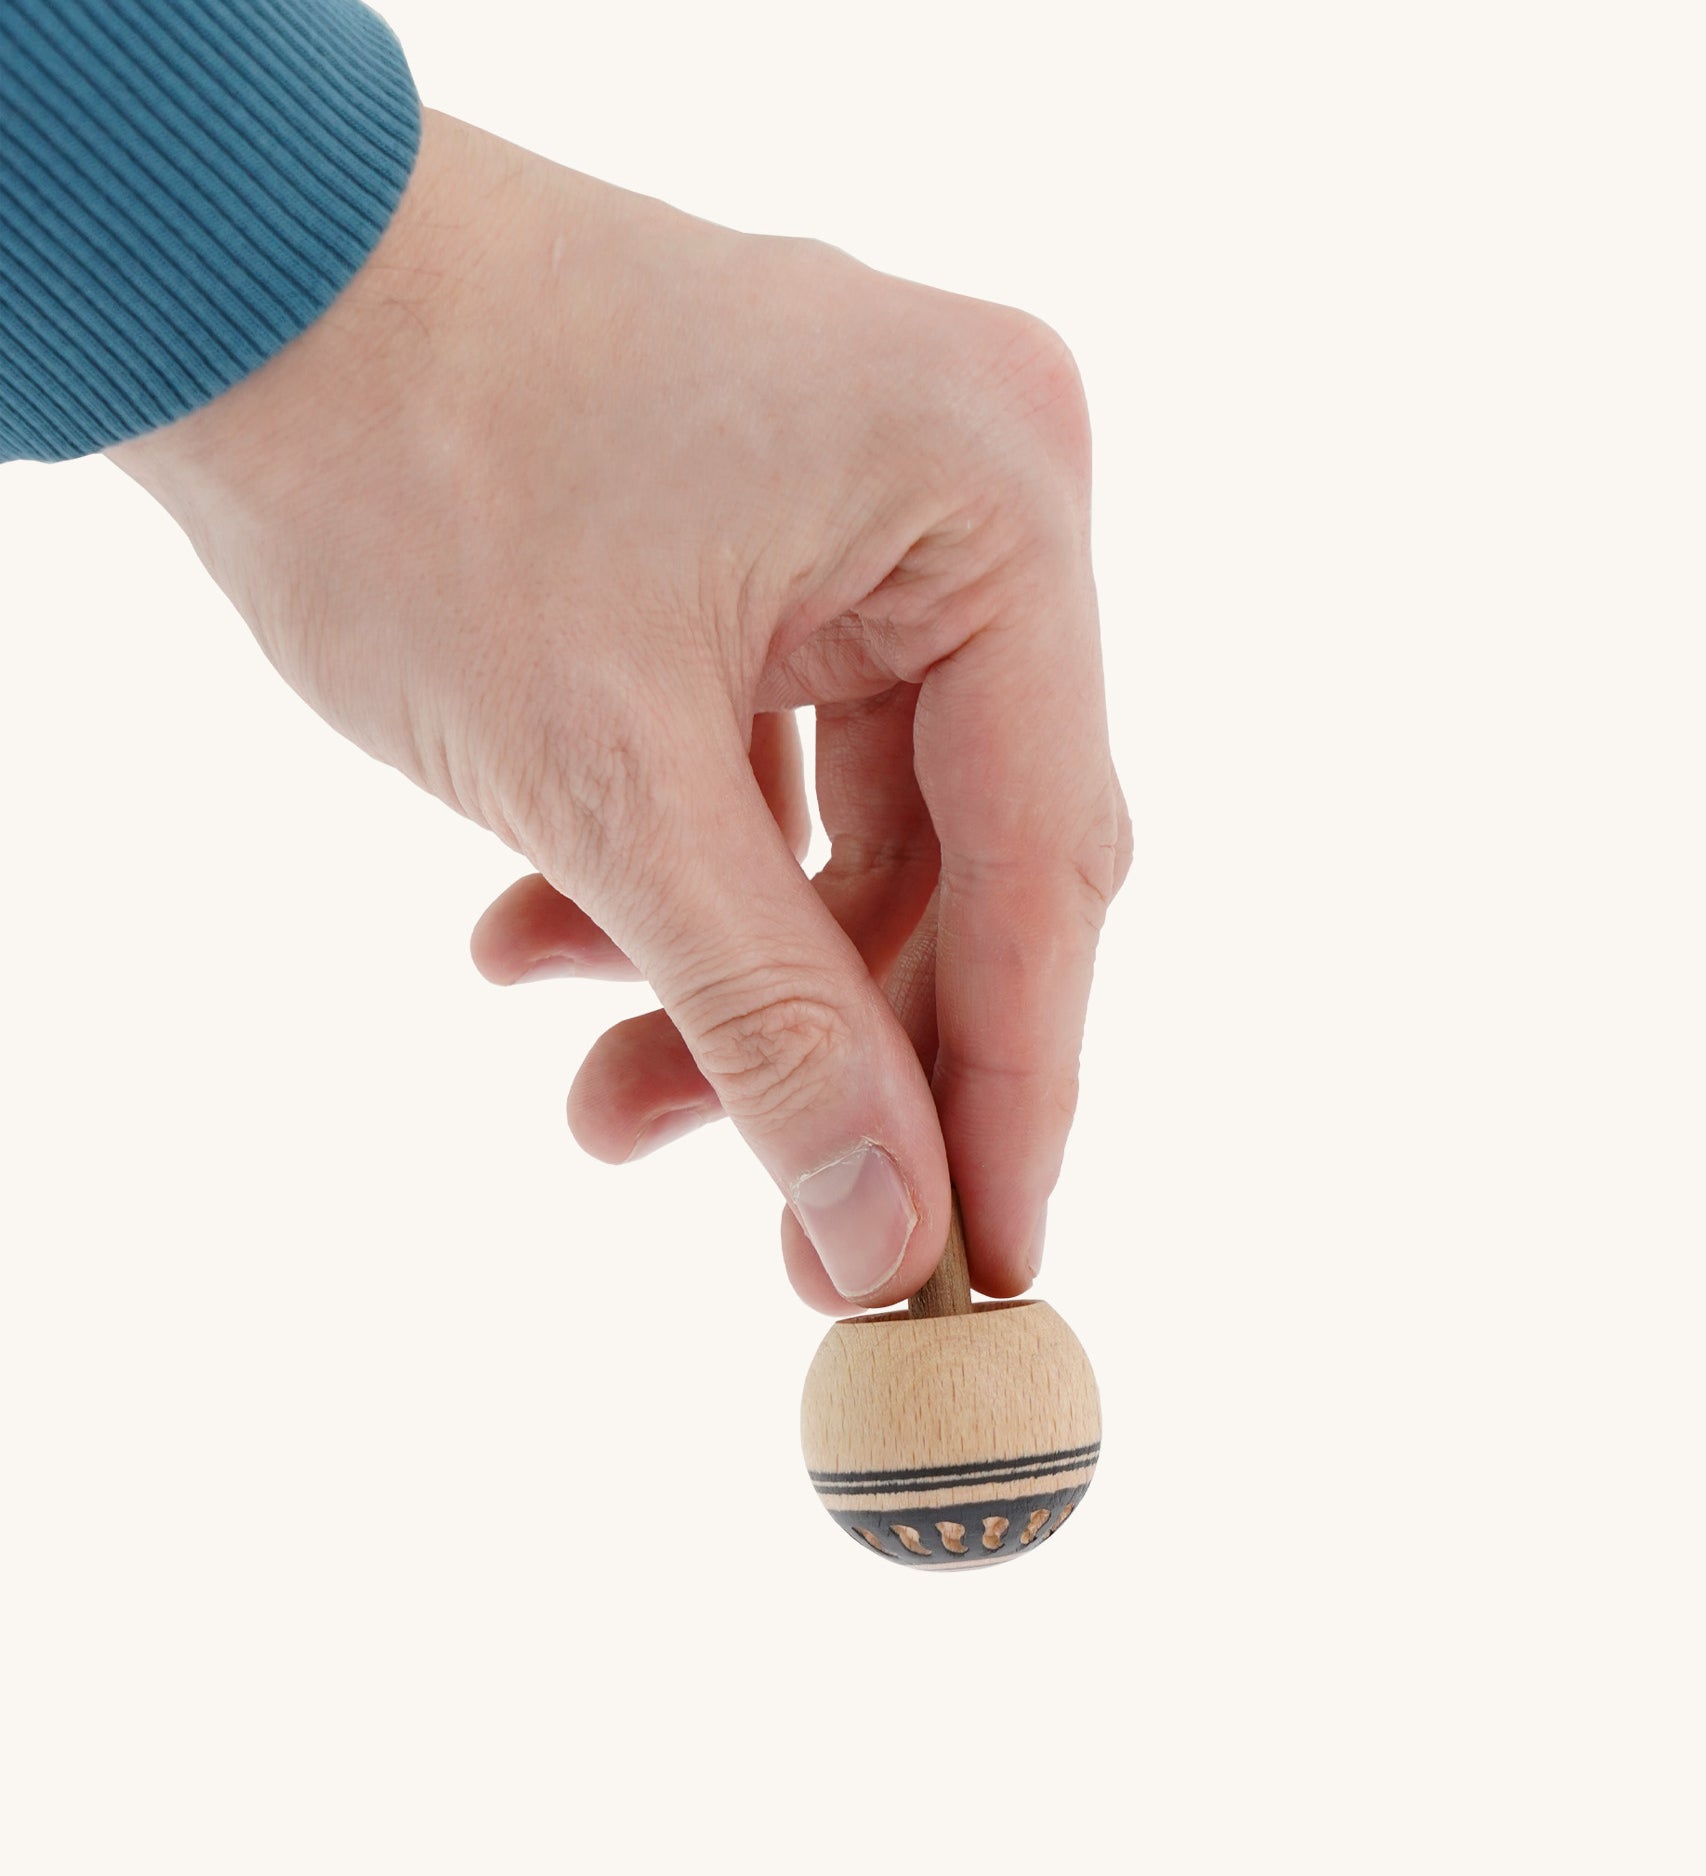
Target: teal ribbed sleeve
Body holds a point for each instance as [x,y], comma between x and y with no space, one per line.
[184,186]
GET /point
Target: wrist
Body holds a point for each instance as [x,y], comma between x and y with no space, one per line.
[310,403]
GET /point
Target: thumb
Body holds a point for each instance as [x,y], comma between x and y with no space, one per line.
[788,1026]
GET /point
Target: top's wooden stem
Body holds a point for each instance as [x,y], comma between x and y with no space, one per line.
[947,1291]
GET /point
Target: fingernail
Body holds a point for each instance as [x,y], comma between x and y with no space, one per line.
[673,1124]
[549,967]
[591,967]
[1035,1258]
[859,1216]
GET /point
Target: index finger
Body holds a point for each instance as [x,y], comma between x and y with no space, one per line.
[1011,748]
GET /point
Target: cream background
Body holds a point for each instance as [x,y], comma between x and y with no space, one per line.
[386,1487]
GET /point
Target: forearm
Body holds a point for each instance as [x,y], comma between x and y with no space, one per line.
[185,185]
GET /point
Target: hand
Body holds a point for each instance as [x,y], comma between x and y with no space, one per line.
[560,509]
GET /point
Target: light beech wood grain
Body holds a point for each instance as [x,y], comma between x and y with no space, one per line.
[1009,1381]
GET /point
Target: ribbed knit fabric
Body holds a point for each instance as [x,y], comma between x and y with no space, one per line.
[184,186]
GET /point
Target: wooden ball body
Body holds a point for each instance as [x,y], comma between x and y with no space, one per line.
[949,1441]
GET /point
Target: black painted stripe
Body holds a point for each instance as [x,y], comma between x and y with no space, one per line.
[898,1487]
[907,1475]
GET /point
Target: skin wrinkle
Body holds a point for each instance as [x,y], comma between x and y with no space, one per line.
[856,859]
[774,1051]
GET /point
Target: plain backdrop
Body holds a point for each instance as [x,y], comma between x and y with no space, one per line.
[385,1487]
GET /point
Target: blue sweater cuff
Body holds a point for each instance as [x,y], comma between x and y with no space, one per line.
[185,185]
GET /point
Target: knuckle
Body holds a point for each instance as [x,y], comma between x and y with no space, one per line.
[1094,869]
[1031,1078]
[1030,369]
[771,1053]
[1104,860]
[1074,871]
[1124,841]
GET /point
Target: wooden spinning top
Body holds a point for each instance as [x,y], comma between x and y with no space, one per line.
[951,1434]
